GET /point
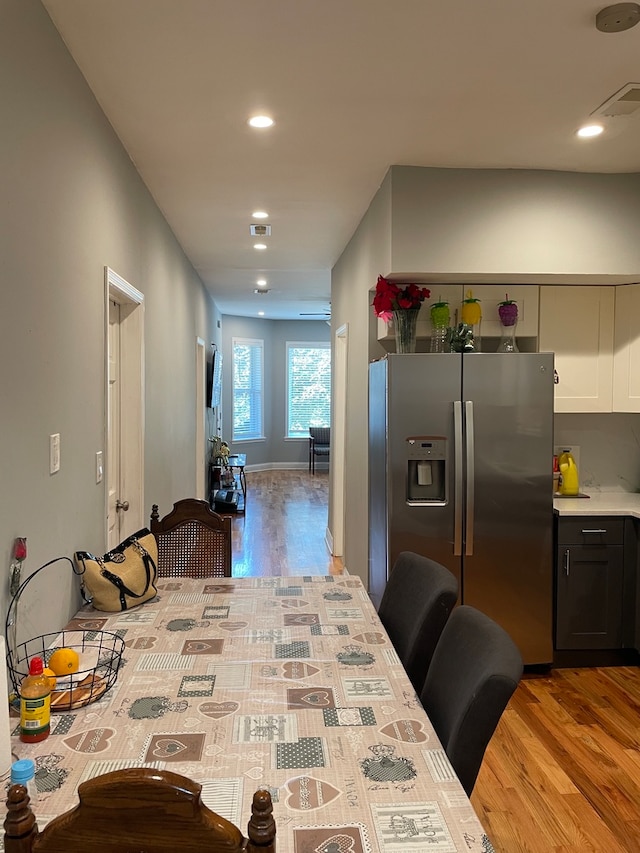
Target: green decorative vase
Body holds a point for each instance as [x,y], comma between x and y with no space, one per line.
[404,323]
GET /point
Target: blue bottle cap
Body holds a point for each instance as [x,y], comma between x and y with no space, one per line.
[22,771]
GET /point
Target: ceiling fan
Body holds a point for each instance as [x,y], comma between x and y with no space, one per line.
[326,313]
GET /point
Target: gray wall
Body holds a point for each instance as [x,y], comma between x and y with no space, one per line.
[274,451]
[484,224]
[73,203]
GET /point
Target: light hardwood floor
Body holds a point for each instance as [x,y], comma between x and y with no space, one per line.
[283,529]
[562,772]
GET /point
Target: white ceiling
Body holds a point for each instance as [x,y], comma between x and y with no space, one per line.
[354,86]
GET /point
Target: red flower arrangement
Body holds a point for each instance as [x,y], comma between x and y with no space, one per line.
[392,297]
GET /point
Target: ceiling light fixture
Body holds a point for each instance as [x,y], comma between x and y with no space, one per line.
[617,18]
[260,313]
[590,130]
[261,282]
[260,121]
[260,214]
[260,246]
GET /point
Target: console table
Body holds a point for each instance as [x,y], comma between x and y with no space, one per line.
[235,463]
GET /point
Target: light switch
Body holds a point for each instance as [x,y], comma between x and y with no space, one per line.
[99,468]
[54,453]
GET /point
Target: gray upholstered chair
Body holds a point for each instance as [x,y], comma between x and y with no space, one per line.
[319,445]
[475,669]
[418,598]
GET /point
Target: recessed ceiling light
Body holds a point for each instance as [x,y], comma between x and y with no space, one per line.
[590,130]
[260,121]
[261,282]
[260,313]
[260,214]
[259,245]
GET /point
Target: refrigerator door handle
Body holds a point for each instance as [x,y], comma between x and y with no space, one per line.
[457,483]
[470,471]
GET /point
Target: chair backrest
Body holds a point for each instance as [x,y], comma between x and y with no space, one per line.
[193,541]
[321,437]
[475,669]
[417,600]
[149,811]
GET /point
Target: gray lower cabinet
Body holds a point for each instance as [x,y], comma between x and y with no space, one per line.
[590,580]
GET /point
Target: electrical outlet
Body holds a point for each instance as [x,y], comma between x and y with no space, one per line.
[54,453]
[99,467]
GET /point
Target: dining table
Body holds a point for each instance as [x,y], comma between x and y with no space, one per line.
[284,683]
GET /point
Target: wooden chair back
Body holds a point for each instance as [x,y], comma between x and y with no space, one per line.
[149,811]
[193,541]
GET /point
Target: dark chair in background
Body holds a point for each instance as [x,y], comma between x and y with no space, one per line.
[149,811]
[319,445]
[474,672]
[418,598]
[193,541]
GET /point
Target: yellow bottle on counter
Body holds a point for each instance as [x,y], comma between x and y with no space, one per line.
[569,484]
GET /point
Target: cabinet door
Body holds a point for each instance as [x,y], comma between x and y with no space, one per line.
[589,584]
[576,323]
[626,356]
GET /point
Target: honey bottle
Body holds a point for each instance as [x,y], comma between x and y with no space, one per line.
[35,704]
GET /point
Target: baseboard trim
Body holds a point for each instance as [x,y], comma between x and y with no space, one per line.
[278,466]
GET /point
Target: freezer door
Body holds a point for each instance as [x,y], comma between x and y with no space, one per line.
[423,389]
[507,563]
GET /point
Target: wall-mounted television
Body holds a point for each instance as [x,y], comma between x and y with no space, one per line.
[215,385]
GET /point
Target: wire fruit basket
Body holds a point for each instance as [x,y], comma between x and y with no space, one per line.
[99,652]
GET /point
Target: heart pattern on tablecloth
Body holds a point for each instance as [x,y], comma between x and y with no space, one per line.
[232,626]
[407,731]
[255,773]
[371,638]
[168,747]
[217,710]
[317,698]
[298,669]
[93,740]
[306,793]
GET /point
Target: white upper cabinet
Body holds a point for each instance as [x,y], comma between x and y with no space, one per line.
[577,323]
[490,295]
[626,358]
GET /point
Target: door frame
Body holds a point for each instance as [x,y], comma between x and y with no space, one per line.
[131,302]
[201,385]
[338,439]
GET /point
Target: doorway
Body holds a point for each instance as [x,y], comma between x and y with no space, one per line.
[124,405]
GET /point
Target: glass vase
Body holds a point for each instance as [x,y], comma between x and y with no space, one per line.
[404,324]
[508,339]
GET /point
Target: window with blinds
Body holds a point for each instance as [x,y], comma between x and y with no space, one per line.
[308,387]
[248,389]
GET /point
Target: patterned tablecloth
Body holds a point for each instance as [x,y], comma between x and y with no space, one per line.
[285,683]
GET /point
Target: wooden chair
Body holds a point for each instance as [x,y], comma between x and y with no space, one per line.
[319,445]
[149,811]
[193,541]
[474,671]
[418,598]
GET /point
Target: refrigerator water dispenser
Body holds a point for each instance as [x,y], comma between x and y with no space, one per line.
[426,470]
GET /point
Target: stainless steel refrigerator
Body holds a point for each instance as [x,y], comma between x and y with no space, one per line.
[460,470]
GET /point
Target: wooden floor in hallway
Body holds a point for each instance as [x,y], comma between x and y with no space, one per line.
[562,772]
[283,529]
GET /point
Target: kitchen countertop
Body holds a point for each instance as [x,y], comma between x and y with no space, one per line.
[600,503]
